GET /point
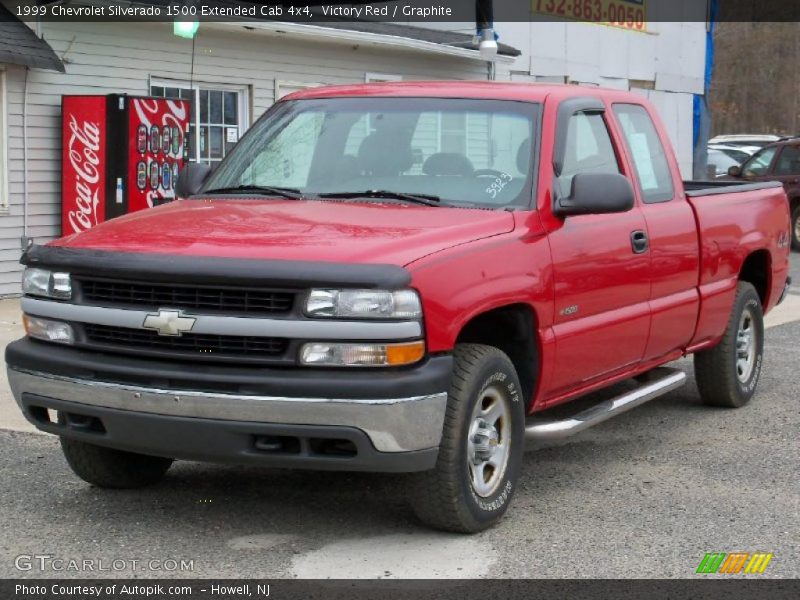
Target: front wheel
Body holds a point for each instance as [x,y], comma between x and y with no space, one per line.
[109,468]
[480,455]
[796,228]
[727,375]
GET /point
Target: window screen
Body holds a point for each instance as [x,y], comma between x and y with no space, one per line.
[649,156]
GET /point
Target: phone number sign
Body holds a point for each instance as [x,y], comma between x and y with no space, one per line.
[628,14]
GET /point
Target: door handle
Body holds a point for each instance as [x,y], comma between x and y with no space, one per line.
[639,243]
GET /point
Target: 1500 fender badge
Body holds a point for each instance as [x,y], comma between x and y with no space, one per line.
[569,310]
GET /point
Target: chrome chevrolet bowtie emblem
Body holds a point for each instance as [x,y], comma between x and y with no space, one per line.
[169,322]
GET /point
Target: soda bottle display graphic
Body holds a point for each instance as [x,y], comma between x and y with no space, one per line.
[166,176]
[175,174]
[155,140]
[141,175]
[176,141]
[141,139]
[166,140]
[154,175]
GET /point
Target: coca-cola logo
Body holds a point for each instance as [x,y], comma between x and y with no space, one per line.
[83,146]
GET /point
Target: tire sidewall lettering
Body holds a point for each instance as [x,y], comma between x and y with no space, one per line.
[500,498]
[506,381]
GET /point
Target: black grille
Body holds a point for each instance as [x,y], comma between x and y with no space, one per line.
[156,295]
[205,346]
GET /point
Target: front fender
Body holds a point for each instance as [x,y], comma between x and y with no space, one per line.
[461,283]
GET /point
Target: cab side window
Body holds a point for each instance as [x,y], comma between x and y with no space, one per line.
[649,155]
[788,161]
[588,149]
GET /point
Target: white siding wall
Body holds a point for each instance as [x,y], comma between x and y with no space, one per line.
[107,58]
[669,58]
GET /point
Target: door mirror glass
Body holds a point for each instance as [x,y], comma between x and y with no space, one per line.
[191,179]
[597,194]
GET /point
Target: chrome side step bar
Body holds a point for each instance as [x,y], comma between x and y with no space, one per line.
[659,381]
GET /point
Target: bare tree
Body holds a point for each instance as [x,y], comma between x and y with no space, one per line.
[756,85]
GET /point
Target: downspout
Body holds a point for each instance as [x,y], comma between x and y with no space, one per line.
[24,240]
[485,35]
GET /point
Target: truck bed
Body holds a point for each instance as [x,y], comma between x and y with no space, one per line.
[763,215]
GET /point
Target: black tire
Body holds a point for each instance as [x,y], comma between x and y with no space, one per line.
[796,228]
[445,497]
[719,377]
[109,468]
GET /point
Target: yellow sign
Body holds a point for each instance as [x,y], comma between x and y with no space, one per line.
[628,14]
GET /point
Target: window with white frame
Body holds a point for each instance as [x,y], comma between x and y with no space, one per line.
[219,116]
[3,144]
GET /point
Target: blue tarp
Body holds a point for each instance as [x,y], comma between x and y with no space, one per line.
[702,111]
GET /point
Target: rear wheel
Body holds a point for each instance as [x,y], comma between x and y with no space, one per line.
[796,228]
[480,455]
[109,468]
[727,375]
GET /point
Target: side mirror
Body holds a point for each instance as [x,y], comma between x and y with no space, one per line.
[191,179]
[596,194]
[735,171]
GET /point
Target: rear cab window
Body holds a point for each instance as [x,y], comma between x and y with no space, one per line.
[649,155]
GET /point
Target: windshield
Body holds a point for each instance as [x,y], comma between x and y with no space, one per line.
[459,152]
[759,164]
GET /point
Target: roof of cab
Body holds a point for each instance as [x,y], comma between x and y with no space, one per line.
[493,90]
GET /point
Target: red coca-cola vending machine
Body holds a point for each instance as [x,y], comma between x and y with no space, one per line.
[119,154]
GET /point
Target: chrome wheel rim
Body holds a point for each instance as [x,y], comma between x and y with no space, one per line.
[488,442]
[746,344]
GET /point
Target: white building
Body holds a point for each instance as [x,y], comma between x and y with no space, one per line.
[240,69]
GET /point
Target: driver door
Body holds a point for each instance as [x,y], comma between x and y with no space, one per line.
[601,269]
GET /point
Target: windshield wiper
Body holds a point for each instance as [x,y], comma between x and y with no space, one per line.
[426,199]
[284,192]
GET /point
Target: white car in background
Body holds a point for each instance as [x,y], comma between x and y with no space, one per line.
[738,153]
[743,139]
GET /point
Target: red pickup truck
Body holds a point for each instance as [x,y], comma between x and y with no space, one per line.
[402,278]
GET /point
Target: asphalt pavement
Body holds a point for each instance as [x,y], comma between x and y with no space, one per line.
[644,495]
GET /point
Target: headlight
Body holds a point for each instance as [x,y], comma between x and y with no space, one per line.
[323,354]
[364,304]
[47,330]
[41,282]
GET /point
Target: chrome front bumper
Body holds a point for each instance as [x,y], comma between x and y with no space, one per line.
[392,425]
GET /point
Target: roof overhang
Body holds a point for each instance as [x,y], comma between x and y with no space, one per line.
[349,37]
[19,45]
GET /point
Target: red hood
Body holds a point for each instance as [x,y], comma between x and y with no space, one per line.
[294,230]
